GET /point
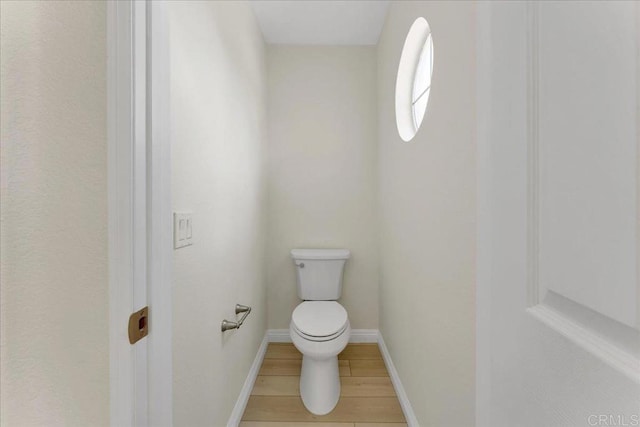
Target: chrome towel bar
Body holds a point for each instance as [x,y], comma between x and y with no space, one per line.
[226,324]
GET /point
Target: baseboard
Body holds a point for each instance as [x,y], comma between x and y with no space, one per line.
[364,335]
[278,335]
[245,392]
[412,421]
[357,335]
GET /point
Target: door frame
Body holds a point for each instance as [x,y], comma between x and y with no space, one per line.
[140,221]
[483,213]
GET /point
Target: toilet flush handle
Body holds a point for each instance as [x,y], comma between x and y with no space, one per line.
[301,265]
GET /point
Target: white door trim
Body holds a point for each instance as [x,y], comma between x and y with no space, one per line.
[139,211]
[483,212]
[120,200]
[139,197]
[160,224]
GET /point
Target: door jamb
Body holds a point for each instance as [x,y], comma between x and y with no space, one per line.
[160,217]
[484,214]
[120,196]
[139,180]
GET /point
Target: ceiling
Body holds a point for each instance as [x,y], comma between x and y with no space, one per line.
[321,22]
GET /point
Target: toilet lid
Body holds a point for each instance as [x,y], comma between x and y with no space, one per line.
[319,318]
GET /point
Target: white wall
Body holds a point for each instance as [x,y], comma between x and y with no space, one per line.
[218,129]
[54,365]
[427,217]
[322,171]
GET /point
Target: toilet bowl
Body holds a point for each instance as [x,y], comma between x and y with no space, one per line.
[320,330]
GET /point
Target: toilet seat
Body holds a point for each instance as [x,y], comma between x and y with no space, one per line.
[319,320]
[319,339]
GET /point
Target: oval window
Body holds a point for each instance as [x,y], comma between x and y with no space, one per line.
[413,83]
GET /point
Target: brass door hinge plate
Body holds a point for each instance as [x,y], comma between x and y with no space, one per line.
[138,325]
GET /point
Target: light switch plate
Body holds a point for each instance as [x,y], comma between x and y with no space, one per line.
[182,229]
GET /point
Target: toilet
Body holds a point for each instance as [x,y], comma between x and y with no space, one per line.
[319,326]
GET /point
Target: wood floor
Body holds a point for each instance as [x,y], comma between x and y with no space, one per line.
[367,397]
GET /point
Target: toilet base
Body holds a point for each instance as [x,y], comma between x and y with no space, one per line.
[320,376]
[320,384]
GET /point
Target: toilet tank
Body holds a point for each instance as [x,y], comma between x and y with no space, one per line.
[319,273]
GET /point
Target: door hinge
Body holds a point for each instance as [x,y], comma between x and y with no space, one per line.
[138,325]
